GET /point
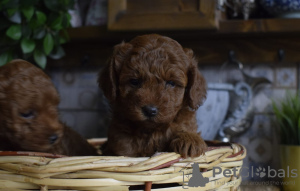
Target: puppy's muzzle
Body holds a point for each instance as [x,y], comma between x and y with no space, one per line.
[53,139]
[150,111]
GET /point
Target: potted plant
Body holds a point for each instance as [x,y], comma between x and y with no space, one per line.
[287,114]
[33,29]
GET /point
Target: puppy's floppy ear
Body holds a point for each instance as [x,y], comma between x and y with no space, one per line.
[196,87]
[108,78]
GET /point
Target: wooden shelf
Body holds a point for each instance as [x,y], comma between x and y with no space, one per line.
[249,27]
[254,41]
[88,33]
[260,26]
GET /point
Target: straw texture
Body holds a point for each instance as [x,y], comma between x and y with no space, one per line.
[36,172]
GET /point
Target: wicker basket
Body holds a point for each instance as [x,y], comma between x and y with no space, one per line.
[42,171]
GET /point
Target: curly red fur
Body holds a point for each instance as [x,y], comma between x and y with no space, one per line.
[155,72]
[29,120]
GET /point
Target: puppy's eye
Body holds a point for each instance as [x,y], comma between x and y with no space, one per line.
[170,83]
[135,82]
[27,115]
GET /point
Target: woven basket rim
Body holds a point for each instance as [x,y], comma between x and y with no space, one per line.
[46,171]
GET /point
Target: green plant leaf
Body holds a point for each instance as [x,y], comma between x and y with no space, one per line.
[4,2]
[14,32]
[56,24]
[40,58]
[65,35]
[41,18]
[52,5]
[62,40]
[287,113]
[26,31]
[11,12]
[3,58]
[33,23]
[69,17]
[28,12]
[66,20]
[39,33]
[8,4]
[290,126]
[27,45]
[298,131]
[16,17]
[284,133]
[48,43]
[34,29]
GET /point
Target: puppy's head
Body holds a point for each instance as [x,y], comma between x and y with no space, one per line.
[28,107]
[152,78]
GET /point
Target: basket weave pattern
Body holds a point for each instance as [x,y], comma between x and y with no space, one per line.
[51,172]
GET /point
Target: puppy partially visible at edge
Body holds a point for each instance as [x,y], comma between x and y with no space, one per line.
[154,88]
[29,120]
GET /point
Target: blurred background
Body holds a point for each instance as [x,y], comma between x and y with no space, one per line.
[248,52]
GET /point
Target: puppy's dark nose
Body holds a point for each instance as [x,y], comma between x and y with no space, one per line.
[53,138]
[149,111]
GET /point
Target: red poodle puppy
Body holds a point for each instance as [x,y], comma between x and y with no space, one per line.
[29,120]
[154,87]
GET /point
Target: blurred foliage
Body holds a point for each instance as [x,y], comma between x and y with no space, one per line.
[287,113]
[33,29]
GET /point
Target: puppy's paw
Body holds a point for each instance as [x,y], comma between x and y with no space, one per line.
[188,145]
